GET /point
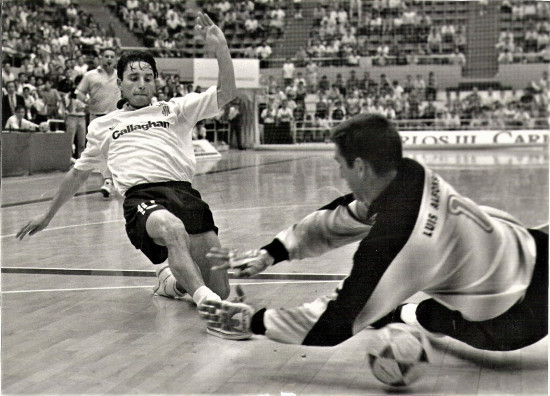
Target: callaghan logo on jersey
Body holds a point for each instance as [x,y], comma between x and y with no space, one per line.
[145,127]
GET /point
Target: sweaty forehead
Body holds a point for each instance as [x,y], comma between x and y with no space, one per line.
[139,67]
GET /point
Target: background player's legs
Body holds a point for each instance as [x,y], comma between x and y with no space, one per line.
[107,187]
[70,128]
[523,324]
[201,244]
[167,230]
[80,136]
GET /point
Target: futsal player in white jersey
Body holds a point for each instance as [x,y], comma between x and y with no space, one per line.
[148,149]
[486,274]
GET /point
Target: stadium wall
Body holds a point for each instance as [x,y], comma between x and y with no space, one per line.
[516,76]
[25,153]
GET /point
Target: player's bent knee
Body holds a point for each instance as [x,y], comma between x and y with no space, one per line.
[164,227]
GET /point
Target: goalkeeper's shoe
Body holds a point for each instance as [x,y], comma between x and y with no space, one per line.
[393,317]
[404,313]
[232,321]
[166,283]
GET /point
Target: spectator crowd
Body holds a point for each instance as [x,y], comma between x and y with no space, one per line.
[51,44]
[251,27]
[388,30]
[525,32]
[415,103]
[48,45]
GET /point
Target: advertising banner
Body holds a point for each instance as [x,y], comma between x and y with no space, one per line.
[247,72]
[473,139]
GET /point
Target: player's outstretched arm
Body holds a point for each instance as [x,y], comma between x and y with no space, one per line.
[214,37]
[245,263]
[69,186]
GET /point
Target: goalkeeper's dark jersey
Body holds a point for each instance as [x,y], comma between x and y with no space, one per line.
[418,235]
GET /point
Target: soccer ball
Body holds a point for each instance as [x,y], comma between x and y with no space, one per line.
[400,354]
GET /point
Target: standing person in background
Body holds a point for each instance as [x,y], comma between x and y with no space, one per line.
[10,101]
[288,72]
[285,116]
[149,150]
[431,88]
[98,89]
[75,120]
[235,122]
[39,109]
[29,102]
[52,98]
[312,76]
[268,117]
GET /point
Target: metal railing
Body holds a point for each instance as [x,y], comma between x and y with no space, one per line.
[51,125]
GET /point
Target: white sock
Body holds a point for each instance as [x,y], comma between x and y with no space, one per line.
[408,313]
[204,293]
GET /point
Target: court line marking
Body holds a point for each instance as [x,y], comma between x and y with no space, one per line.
[213,211]
[542,226]
[211,172]
[89,192]
[46,199]
[151,273]
[71,226]
[149,286]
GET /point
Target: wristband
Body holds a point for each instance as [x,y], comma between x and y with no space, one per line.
[257,324]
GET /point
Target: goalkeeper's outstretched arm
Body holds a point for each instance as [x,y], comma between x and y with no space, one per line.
[341,222]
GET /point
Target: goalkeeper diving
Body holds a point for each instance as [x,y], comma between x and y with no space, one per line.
[485,273]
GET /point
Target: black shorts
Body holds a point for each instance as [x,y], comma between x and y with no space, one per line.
[525,323]
[179,198]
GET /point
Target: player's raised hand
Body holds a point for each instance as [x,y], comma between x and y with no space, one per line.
[33,226]
[211,33]
[246,263]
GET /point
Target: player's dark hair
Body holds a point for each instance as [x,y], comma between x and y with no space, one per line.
[135,56]
[371,137]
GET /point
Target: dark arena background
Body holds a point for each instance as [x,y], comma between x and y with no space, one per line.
[466,83]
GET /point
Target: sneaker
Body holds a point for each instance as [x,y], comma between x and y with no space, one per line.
[393,317]
[107,188]
[166,283]
[404,315]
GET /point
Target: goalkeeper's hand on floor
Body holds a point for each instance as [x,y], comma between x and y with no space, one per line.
[226,317]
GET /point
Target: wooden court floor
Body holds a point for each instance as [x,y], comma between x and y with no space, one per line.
[79,317]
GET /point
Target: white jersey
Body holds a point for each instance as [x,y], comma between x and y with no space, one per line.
[419,235]
[149,145]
